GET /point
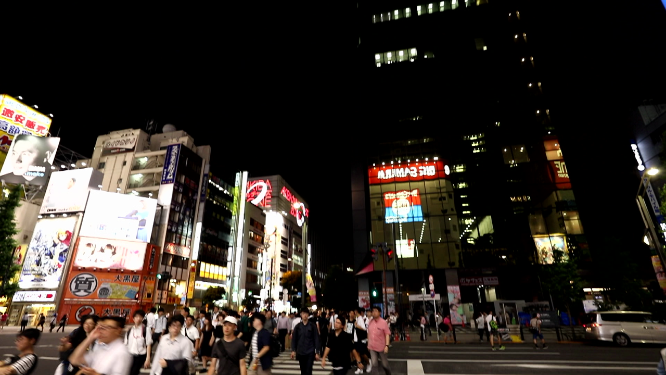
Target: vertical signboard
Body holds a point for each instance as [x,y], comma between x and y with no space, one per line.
[192,279]
[170,164]
[455,308]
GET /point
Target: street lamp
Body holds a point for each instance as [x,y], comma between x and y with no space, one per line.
[652,171]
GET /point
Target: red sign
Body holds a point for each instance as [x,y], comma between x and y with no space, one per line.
[556,166]
[297,208]
[406,172]
[259,193]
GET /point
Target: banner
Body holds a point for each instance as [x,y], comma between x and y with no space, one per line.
[17,118]
[170,164]
[47,253]
[311,288]
[113,254]
[102,285]
[29,160]
[406,172]
[68,190]
[364,299]
[455,307]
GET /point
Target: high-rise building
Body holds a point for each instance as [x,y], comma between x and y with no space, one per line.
[463,81]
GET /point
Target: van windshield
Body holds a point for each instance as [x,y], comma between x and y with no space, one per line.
[628,317]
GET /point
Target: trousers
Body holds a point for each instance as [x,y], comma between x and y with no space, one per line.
[306,361]
[385,363]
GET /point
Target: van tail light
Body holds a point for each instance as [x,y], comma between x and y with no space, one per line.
[593,325]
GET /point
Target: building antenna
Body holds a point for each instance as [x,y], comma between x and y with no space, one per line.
[150,126]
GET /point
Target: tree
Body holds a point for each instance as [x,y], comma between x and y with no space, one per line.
[8,266]
[292,280]
[213,294]
[340,289]
[563,283]
[250,303]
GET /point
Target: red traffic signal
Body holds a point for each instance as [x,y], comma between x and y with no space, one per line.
[389,253]
[374,253]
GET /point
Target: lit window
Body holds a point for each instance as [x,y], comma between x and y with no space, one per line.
[441,6]
[430,10]
[396,13]
[465,204]
[377,57]
[400,53]
[408,13]
[388,54]
[413,51]
[463,196]
[467,213]
[379,64]
[485,48]
[454,4]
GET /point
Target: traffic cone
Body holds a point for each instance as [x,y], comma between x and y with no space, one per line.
[396,337]
[407,335]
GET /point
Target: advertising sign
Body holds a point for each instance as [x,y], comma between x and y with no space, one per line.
[19,254]
[77,310]
[545,246]
[455,305]
[118,216]
[364,299]
[170,164]
[406,172]
[148,289]
[405,248]
[259,193]
[29,160]
[68,190]
[298,209]
[174,249]
[119,145]
[402,206]
[311,288]
[34,296]
[559,174]
[191,281]
[102,285]
[17,118]
[479,280]
[109,254]
[47,253]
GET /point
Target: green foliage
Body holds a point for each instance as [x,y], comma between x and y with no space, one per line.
[8,268]
[250,303]
[340,289]
[562,281]
[213,294]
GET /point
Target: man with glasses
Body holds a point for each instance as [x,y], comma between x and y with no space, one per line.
[26,362]
[174,350]
[109,356]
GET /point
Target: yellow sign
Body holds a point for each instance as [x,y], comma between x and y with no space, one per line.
[191,282]
[17,118]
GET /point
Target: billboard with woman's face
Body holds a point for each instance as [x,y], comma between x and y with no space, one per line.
[29,160]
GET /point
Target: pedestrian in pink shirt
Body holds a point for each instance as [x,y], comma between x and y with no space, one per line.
[379,339]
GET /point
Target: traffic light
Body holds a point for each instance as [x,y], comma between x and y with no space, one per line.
[389,254]
[374,253]
[374,292]
[163,275]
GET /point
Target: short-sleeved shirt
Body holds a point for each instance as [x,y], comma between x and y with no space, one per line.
[22,365]
[109,359]
[229,361]
[377,331]
[191,333]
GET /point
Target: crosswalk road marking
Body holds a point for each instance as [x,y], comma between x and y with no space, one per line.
[490,352]
[414,367]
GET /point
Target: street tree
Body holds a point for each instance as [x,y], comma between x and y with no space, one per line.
[561,280]
[8,266]
[212,294]
[250,303]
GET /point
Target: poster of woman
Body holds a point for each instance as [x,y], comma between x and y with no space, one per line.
[455,308]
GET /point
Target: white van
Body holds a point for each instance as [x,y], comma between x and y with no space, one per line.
[624,327]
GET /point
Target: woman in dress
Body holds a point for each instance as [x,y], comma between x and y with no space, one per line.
[207,341]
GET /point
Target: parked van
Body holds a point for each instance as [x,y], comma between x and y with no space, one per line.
[624,327]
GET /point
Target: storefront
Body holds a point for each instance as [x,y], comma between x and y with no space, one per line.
[33,302]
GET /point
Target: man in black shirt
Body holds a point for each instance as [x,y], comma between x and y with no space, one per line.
[339,346]
[229,351]
[322,322]
[305,343]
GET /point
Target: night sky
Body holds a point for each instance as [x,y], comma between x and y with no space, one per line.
[274,89]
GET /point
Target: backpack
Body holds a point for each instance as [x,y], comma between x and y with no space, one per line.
[275,346]
[143,331]
[443,327]
[493,324]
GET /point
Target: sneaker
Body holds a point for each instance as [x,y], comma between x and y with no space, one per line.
[545,347]
[369,367]
[359,371]
[536,347]
[493,348]
[502,347]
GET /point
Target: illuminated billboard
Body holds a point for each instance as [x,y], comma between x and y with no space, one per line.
[545,246]
[558,172]
[402,206]
[259,193]
[29,160]
[298,209]
[47,253]
[407,172]
[95,285]
[17,118]
[405,248]
[68,190]
[118,216]
[109,254]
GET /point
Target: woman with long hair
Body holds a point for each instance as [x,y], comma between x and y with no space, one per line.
[207,341]
[71,342]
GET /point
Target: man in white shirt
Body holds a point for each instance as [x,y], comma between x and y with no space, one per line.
[174,348]
[160,327]
[191,332]
[109,356]
[331,320]
[216,312]
[150,320]
[138,341]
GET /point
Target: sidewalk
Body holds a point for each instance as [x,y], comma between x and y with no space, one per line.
[14,329]
[470,335]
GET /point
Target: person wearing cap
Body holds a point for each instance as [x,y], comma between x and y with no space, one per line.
[305,343]
[229,353]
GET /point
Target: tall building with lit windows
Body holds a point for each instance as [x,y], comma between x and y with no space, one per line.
[461,81]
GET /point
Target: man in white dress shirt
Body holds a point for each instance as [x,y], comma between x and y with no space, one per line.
[139,341]
[150,320]
[191,332]
[109,356]
[160,327]
[173,347]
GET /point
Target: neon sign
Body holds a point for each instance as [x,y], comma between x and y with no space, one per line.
[405,172]
[259,193]
[639,159]
[298,209]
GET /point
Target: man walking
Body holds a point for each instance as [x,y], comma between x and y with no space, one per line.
[139,342]
[271,324]
[339,346]
[229,353]
[283,329]
[305,343]
[174,350]
[24,321]
[160,327]
[535,328]
[109,356]
[379,339]
[260,359]
[26,361]
[192,333]
[150,321]
[493,327]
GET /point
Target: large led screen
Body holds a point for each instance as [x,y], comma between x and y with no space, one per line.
[47,253]
[402,206]
[545,246]
[118,216]
[29,160]
[68,190]
[114,254]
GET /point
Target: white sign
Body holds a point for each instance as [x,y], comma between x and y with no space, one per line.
[68,190]
[127,143]
[424,297]
[34,296]
[118,216]
[637,155]
[405,248]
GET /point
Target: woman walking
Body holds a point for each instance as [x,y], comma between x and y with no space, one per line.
[42,320]
[207,341]
[71,342]
[63,322]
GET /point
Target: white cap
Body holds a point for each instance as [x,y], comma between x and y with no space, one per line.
[231,320]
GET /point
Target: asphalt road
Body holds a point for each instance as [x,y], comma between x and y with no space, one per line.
[469,357]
